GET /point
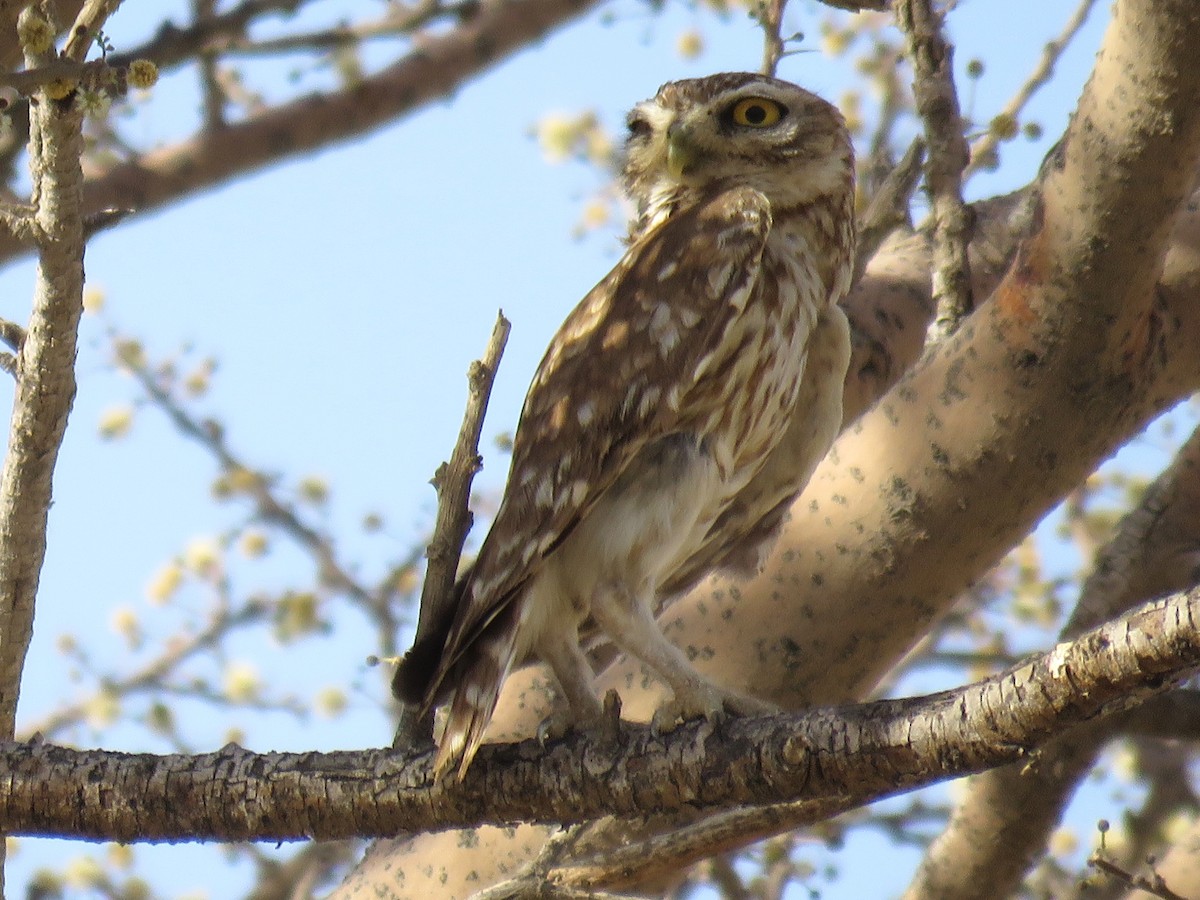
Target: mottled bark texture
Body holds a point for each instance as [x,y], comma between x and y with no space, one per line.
[1085,338]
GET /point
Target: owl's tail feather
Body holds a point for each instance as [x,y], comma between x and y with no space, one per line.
[477,680]
[413,680]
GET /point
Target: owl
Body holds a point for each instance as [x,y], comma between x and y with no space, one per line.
[679,409]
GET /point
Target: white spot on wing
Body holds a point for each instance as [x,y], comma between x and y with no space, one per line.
[545,493]
[718,279]
[579,492]
[649,401]
[668,270]
[585,413]
[662,329]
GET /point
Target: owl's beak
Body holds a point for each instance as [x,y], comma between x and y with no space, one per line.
[681,150]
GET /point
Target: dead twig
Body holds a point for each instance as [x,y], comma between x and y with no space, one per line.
[452,481]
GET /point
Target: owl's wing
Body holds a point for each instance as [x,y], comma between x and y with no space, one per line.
[745,530]
[615,378]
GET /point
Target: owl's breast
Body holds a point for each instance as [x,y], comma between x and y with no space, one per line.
[748,385]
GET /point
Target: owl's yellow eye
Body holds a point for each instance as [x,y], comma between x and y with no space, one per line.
[756,112]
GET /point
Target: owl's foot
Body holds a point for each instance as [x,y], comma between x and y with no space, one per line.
[557,725]
[603,720]
[707,701]
[582,712]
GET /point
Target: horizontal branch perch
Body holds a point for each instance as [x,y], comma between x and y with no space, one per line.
[836,758]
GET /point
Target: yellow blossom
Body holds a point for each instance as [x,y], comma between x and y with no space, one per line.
[103,709]
[166,581]
[142,73]
[314,489]
[690,44]
[93,299]
[242,682]
[34,32]
[116,421]
[83,872]
[330,701]
[120,855]
[253,543]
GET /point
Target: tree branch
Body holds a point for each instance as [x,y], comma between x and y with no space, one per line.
[1150,553]
[833,759]
[937,105]
[431,71]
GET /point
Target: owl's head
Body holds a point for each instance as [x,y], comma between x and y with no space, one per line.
[734,129]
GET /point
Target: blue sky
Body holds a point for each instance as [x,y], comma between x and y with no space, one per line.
[344,295]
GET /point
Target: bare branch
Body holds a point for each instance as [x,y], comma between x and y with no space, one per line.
[770,17]
[858,5]
[1153,885]
[937,105]
[831,759]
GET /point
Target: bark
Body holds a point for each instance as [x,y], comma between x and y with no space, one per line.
[1074,351]
[830,759]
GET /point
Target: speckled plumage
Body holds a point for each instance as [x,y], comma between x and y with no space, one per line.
[672,418]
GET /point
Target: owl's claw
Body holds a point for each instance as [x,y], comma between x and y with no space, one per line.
[708,702]
[604,721]
[556,725]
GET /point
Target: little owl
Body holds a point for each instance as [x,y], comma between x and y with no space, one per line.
[677,413]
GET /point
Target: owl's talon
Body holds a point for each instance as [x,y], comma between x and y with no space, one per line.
[710,703]
[555,726]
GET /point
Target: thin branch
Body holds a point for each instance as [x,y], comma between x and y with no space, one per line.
[937,105]
[453,480]
[210,83]
[984,150]
[770,17]
[1153,885]
[396,21]
[12,334]
[859,5]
